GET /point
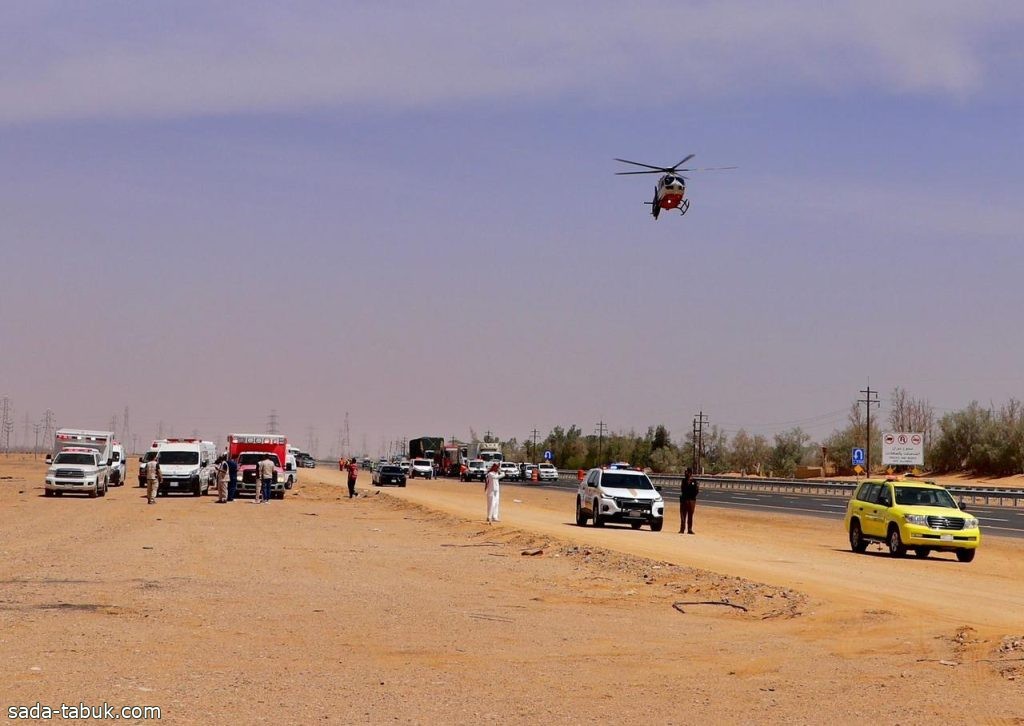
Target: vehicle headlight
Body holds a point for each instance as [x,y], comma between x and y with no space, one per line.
[971,523]
[918,519]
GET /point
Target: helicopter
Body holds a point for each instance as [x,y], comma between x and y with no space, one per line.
[670,191]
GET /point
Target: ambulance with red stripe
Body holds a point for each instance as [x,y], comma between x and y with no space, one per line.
[249,449]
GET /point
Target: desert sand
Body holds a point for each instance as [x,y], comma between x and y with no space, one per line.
[403,606]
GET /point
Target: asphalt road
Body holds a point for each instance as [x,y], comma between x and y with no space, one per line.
[1001,521]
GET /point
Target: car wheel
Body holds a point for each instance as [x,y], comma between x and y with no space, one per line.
[657,524]
[922,552]
[402,485]
[965,555]
[95,492]
[47,492]
[636,525]
[581,518]
[896,546]
[857,541]
[198,489]
[598,519]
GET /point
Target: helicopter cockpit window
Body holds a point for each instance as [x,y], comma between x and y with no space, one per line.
[670,179]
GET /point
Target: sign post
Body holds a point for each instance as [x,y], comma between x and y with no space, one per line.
[903,448]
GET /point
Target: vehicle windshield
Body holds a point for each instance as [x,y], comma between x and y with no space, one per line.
[178,458]
[921,497]
[116,456]
[149,456]
[614,480]
[476,465]
[79,459]
[390,470]
[421,462]
[546,466]
[255,457]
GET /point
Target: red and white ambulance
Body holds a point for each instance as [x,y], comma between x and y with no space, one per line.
[248,450]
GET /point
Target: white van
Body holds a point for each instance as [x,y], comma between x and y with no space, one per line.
[186,465]
[118,465]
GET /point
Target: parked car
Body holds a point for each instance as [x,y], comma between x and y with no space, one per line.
[547,471]
[619,495]
[421,468]
[526,471]
[509,471]
[915,515]
[475,469]
[388,474]
[406,466]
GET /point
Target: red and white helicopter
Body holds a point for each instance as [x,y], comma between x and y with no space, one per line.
[670,191]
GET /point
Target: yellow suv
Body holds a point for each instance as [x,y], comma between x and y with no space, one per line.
[913,515]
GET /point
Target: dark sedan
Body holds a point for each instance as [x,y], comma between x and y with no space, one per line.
[388,474]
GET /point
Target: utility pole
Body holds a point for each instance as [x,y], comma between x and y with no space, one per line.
[160,430]
[6,423]
[533,451]
[601,430]
[28,426]
[113,424]
[699,422]
[870,398]
[126,431]
[37,428]
[272,422]
[49,425]
[347,442]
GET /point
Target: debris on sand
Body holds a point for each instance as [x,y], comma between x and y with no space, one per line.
[532,552]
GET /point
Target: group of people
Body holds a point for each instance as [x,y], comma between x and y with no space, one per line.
[226,468]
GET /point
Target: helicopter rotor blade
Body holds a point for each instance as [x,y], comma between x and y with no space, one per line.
[684,161]
[649,166]
[710,168]
[652,171]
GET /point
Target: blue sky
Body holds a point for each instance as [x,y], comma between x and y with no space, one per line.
[408,212]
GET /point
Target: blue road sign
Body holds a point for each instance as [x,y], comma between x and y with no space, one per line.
[548,456]
[858,457]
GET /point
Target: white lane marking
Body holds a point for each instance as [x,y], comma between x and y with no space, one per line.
[834,506]
[752,499]
[993,519]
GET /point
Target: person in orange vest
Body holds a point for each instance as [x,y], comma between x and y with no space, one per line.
[353,471]
[580,474]
[462,471]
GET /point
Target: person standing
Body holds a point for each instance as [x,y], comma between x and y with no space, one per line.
[493,494]
[688,491]
[266,472]
[232,478]
[222,480]
[153,480]
[353,473]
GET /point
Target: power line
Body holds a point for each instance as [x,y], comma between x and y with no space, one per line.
[868,401]
[602,429]
[699,422]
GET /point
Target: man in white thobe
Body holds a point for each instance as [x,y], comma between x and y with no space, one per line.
[491,489]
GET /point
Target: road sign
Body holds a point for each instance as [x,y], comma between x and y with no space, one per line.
[903,448]
[859,469]
[858,457]
[548,456]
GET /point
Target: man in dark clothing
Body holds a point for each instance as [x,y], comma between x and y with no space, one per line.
[232,478]
[688,491]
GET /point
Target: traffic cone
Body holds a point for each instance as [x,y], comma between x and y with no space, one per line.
[536,474]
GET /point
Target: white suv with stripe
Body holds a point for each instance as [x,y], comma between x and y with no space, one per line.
[625,496]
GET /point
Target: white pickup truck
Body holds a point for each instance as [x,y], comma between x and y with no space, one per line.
[79,470]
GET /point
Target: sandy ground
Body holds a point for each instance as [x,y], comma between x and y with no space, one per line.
[404,607]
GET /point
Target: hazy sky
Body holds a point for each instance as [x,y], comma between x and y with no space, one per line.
[407,211]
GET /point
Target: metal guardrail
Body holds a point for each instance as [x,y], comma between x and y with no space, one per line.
[819,487]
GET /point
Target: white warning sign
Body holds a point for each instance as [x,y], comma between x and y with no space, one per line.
[903,448]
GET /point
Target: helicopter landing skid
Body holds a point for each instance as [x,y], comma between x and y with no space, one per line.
[683,206]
